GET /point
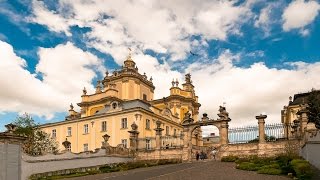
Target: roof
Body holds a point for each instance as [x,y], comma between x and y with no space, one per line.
[301,98]
[128,105]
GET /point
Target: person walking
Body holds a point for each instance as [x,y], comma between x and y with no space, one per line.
[197,155]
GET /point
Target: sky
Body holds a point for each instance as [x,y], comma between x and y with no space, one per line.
[250,55]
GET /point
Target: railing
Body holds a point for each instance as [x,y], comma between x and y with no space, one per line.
[273,132]
[239,135]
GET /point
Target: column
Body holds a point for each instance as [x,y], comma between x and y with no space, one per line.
[223,132]
[303,120]
[134,136]
[158,135]
[261,120]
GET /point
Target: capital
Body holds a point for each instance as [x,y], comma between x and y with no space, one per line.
[261,117]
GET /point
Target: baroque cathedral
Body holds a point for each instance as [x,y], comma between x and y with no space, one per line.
[121,99]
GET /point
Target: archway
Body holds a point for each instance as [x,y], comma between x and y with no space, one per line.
[189,126]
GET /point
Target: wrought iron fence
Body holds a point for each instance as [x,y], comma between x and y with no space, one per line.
[273,132]
[246,134]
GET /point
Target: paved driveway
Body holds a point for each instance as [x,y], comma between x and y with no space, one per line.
[201,170]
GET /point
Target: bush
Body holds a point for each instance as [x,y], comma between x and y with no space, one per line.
[284,162]
[249,166]
[302,168]
[229,158]
[271,171]
[272,166]
[297,161]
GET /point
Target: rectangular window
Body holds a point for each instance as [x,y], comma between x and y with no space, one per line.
[86,129]
[85,147]
[69,131]
[147,124]
[124,123]
[144,97]
[104,126]
[174,132]
[148,144]
[167,130]
[54,133]
[69,147]
[124,142]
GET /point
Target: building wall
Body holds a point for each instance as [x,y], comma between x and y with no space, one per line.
[310,150]
[94,137]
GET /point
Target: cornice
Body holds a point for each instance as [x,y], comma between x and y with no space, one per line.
[111,114]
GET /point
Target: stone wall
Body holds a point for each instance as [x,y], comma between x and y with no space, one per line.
[48,163]
[311,149]
[160,154]
[267,149]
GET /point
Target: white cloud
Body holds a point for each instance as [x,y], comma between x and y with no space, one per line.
[65,70]
[162,26]
[247,91]
[250,91]
[264,20]
[53,20]
[299,14]
[304,32]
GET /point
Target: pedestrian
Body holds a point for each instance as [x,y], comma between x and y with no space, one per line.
[197,155]
[202,155]
[213,153]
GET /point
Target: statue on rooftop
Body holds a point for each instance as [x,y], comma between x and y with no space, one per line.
[223,114]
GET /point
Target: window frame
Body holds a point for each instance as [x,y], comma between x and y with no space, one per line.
[69,131]
[148,144]
[54,133]
[124,123]
[86,129]
[104,126]
[144,97]
[167,130]
[69,147]
[148,124]
[124,142]
[85,146]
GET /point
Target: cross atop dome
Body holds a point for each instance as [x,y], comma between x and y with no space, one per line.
[129,63]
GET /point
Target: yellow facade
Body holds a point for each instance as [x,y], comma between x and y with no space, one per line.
[290,111]
[121,99]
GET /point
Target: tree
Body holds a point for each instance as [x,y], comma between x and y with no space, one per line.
[38,142]
[313,108]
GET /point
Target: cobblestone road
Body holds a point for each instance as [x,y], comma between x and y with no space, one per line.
[201,170]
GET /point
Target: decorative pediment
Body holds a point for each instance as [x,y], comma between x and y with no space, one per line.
[167,112]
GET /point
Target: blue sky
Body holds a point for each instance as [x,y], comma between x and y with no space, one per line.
[250,54]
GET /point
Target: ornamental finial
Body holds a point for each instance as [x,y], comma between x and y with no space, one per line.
[172,82]
[71,106]
[177,82]
[84,91]
[98,87]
